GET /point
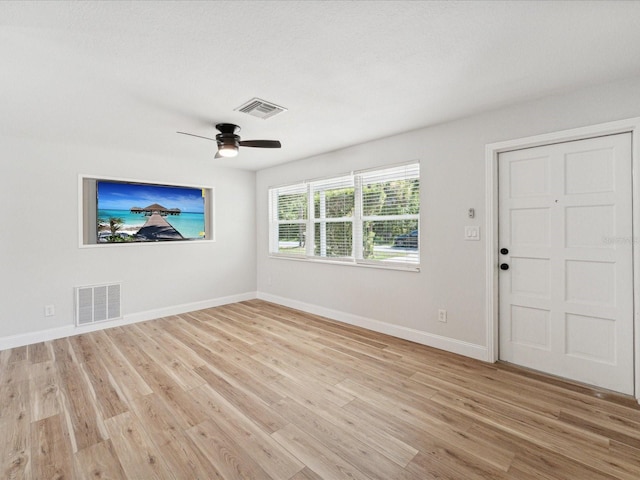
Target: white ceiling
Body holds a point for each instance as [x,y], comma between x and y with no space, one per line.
[128,75]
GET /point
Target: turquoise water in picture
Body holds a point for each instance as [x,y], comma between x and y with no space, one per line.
[190,225]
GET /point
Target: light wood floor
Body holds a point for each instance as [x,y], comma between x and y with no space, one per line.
[257,391]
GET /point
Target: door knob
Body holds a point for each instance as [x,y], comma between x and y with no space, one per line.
[504,251]
[504,266]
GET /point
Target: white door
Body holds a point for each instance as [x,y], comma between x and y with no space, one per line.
[566,299]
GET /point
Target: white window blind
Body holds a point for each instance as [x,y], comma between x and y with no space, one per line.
[333,208]
[289,213]
[391,214]
[367,217]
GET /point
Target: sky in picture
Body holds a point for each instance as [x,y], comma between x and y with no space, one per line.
[124,196]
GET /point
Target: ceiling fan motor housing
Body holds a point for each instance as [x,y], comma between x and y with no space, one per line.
[226,139]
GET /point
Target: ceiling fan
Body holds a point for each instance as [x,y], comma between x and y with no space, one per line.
[229,141]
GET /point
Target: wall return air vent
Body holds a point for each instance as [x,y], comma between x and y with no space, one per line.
[98,303]
[257,107]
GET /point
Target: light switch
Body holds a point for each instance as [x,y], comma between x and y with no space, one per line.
[472,233]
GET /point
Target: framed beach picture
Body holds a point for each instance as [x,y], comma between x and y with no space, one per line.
[125,212]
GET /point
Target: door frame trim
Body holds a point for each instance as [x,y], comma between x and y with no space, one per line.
[492,151]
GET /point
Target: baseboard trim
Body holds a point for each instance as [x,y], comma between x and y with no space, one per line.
[424,338]
[70,330]
[467,349]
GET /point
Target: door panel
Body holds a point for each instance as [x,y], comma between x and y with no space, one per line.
[566,302]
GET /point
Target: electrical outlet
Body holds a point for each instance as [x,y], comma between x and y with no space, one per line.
[442,315]
[49,310]
[472,233]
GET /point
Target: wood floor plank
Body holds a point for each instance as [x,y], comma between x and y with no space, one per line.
[253,321]
[257,390]
[439,462]
[138,455]
[108,398]
[38,352]
[15,373]
[18,354]
[99,461]
[178,349]
[15,447]
[627,433]
[242,361]
[553,437]
[269,454]
[372,368]
[159,421]
[129,380]
[76,398]
[185,324]
[291,360]
[198,321]
[341,442]
[242,379]
[487,384]
[15,400]
[382,439]
[241,370]
[537,425]
[533,461]
[158,379]
[316,455]
[251,406]
[185,460]
[182,374]
[51,454]
[218,319]
[306,474]
[428,436]
[597,402]
[320,325]
[44,396]
[263,323]
[230,459]
[82,346]
[151,328]
[181,455]
[322,393]
[621,452]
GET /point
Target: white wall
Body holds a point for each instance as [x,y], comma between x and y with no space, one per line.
[41,262]
[452,272]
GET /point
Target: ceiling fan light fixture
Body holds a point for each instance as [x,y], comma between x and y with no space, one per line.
[227,150]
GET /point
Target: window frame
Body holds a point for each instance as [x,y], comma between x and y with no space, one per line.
[357,219]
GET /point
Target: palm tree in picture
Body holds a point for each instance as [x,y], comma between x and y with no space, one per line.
[115,224]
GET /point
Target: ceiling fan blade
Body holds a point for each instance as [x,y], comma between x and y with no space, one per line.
[217,154]
[260,143]
[199,136]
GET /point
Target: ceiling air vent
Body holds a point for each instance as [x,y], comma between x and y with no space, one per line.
[257,107]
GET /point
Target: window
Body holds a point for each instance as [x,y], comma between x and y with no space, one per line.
[368,217]
[290,212]
[333,211]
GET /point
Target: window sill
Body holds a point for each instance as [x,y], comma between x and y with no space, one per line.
[350,263]
[130,244]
